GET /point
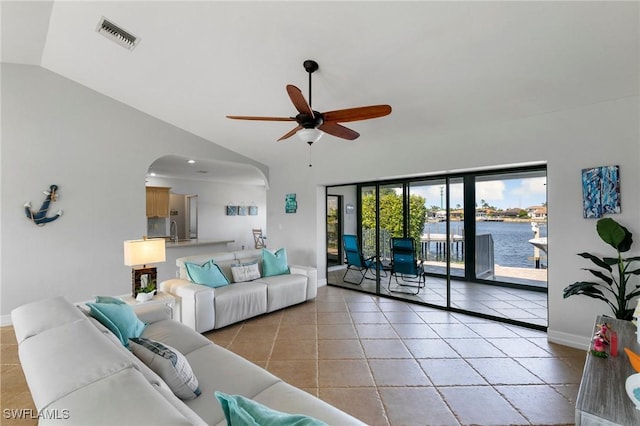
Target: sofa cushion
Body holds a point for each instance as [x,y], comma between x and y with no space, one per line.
[208,274]
[169,364]
[176,335]
[285,290]
[119,318]
[67,358]
[237,302]
[36,317]
[243,272]
[284,397]
[218,368]
[239,410]
[274,263]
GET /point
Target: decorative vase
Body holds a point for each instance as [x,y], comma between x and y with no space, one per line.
[144,297]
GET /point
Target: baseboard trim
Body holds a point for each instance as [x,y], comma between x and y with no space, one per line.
[5,320]
[322,282]
[571,340]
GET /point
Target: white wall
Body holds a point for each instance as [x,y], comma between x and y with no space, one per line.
[568,141]
[97,151]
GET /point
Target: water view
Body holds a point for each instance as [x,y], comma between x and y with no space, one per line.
[511,241]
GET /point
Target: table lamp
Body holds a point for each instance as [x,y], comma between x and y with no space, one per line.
[138,254]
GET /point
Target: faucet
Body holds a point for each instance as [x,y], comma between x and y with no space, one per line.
[173,231]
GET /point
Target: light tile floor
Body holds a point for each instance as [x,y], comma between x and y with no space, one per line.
[389,362]
[519,304]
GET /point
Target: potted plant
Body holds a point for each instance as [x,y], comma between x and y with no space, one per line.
[147,292]
[615,289]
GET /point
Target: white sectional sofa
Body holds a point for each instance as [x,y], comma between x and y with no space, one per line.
[79,373]
[205,308]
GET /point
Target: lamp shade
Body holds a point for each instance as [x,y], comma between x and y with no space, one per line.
[310,135]
[141,252]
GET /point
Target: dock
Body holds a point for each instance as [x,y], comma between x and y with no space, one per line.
[440,241]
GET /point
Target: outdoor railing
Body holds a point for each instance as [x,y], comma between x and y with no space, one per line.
[484,256]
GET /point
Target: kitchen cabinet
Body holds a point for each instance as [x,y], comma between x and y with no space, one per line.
[157,201]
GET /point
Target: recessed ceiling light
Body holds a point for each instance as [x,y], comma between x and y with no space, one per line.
[191,161]
[152,174]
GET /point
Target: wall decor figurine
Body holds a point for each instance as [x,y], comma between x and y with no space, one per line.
[39,217]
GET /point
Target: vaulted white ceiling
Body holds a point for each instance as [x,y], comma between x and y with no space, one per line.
[442,66]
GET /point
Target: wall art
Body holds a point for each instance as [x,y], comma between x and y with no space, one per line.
[39,217]
[253,210]
[290,203]
[232,210]
[600,191]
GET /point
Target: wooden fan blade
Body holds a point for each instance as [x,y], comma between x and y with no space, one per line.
[290,133]
[340,131]
[356,114]
[247,117]
[298,100]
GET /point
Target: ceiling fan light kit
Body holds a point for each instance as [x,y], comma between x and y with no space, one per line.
[313,124]
[309,135]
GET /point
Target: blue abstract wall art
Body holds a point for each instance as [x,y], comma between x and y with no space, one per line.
[600,191]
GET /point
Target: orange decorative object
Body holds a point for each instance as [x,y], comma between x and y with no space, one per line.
[634,359]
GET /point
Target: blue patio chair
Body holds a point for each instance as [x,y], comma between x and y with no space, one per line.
[356,260]
[405,265]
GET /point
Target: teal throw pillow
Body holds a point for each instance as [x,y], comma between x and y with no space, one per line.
[109,299]
[274,263]
[243,411]
[119,318]
[208,274]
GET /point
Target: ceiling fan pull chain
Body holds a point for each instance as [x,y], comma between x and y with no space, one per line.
[310,143]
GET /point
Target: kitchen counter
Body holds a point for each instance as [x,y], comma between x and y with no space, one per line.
[196,243]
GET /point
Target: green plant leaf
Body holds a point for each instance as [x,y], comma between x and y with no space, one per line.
[600,275]
[601,263]
[611,232]
[625,244]
[634,272]
[610,260]
[586,289]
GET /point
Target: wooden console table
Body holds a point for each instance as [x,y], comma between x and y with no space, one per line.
[602,398]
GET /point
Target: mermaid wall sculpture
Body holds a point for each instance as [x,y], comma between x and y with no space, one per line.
[40,217]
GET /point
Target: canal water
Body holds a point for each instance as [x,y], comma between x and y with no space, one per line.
[510,240]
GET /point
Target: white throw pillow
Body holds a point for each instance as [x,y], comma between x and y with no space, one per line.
[169,364]
[245,271]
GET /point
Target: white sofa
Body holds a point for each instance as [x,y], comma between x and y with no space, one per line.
[79,373]
[205,308]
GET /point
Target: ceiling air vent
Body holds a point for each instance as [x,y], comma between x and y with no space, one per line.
[117,34]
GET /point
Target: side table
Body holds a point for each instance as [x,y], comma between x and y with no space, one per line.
[160,298]
[602,398]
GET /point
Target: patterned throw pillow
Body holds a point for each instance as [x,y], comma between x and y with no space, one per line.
[274,263]
[169,364]
[245,271]
[208,274]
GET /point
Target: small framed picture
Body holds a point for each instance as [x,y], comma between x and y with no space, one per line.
[253,210]
[232,210]
[242,210]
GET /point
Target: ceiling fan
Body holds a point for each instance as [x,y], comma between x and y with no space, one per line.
[312,124]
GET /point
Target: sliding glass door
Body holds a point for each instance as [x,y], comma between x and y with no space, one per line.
[480,238]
